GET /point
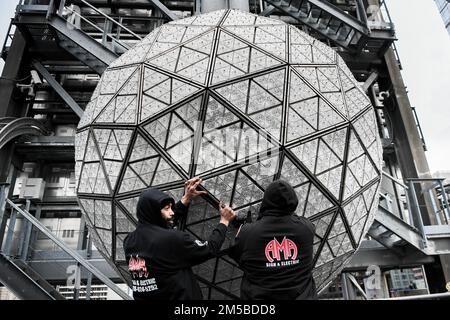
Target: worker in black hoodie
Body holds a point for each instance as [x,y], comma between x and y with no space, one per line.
[276,251]
[159,256]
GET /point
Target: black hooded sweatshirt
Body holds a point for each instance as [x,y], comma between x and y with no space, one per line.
[160,258]
[276,251]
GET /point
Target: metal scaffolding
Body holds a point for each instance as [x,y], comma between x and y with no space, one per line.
[70,43]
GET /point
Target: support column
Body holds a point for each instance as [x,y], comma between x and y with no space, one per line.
[347,288]
[24,233]
[412,160]
[89,274]
[34,232]
[9,187]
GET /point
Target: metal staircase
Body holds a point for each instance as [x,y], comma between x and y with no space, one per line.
[350,33]
[48,30]
[398,236]
[81,46]
[11,128]
[77,30]
[24,282]
[406,235]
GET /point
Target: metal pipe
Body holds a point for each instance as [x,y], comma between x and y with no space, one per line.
[445,203]
[89,276]
[50,10]
[25,233]
[387,175]
[10,233]
[34,232]
[3,195]
[445,295]
[71,252]
[361,11]
[77,285]
[357,286]
[344,285]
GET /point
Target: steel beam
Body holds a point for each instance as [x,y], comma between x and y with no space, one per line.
[25,234]
[169,14]
[34,232]
[11,71]
[268,11]
[84,41]
[370,253]
[400,228]
[59,89]
[357,286]
[10,232]
[370,81]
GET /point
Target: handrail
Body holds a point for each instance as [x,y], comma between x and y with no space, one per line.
[97,27]
[445,295]
[70,251]
[387,175]
[109,18]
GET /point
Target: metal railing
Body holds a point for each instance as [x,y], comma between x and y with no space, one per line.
[419,128]
[9,37]
[402,200]
[32,221]
[429,189]
[385,21]
[111,40]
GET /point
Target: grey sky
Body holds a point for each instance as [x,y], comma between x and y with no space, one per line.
[424,48]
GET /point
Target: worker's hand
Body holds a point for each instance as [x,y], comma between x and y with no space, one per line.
[226,214]
[190,190]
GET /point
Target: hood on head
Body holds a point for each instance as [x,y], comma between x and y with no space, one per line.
[148,210]
[279,199]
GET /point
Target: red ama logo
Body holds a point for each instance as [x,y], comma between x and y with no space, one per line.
[274,249]
[137,267]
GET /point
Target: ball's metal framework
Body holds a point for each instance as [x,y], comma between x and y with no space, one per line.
[157,110]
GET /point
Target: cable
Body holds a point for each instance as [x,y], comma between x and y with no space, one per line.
[16,80]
